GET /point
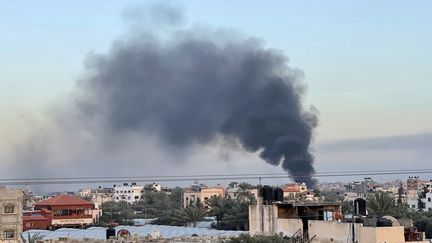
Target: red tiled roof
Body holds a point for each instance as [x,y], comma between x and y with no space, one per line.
[291,189]
[63,200]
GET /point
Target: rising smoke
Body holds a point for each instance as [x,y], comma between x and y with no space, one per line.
[191,86]
[186,86]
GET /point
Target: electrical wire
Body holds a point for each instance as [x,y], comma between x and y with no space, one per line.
[199,177]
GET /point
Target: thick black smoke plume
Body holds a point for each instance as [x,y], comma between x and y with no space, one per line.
[191,88]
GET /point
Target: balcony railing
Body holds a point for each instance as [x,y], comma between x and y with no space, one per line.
[83,216]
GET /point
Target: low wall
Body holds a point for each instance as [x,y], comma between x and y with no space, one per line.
[262,219]
[382,234]
[334,232]
[288,227]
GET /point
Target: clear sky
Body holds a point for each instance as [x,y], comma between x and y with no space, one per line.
[367,64]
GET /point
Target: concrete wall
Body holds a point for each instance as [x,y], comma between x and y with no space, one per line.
[382,234]
[262,219]
[333,232]
[11,221]
[289,227]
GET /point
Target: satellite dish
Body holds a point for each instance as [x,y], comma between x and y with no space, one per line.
[394,221]
[123,233]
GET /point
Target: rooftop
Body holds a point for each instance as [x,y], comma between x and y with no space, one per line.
[308,204]
[63,200]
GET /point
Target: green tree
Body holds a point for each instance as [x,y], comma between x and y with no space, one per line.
[237,217]
[33,238]
[380,204]
[218,208]
[176,198]
[149,187]
[116,212]
[423,221]
[347,207]
[233,184]
[188,216]
[331,196]
[152,204]
[243,191]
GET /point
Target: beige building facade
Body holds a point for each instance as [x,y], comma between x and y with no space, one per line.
[191,197]
[10,215]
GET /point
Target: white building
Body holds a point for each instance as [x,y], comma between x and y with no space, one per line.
[100,198]
[427,201]
[412,204]
[128,193]
[83,193]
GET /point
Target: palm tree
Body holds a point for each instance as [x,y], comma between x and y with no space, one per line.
[381,204]
[218,208]
[149,187]
[189,216]
[243,192]
[233,184]
[237,217]
[31,239]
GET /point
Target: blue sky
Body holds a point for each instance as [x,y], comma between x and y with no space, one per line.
[366,63]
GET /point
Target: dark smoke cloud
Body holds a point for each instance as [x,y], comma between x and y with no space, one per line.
[193,86]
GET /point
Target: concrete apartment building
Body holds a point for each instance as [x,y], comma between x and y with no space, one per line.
[322,223]
[128,193]
[10,215]
[293,190]
[192,195]
[318,223]
[97,196]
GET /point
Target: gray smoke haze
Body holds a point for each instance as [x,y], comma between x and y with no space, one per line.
[192,86]
[166,90]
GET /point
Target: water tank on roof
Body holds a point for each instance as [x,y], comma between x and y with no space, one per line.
[360,207]
[267,193]
[278,194]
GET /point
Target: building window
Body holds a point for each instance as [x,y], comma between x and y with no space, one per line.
[429,199]
[29,224]
[136,197]
[9,208]
[9,234]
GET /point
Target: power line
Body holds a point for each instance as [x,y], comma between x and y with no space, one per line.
[200,177]
[317,174]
